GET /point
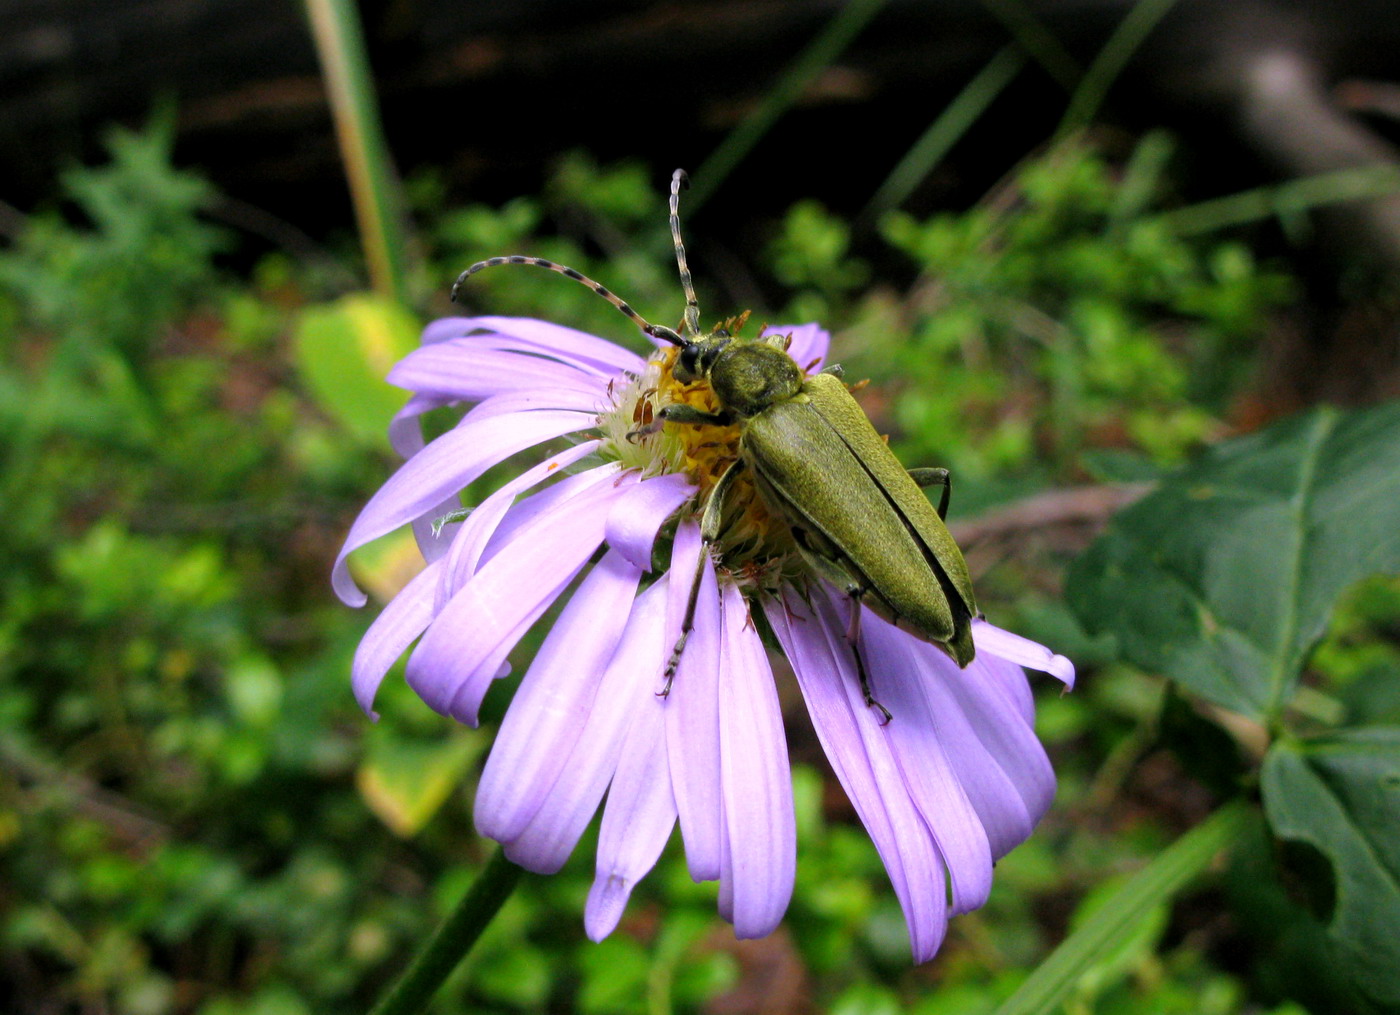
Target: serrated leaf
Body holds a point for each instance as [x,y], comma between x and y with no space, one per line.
[1341,795]
[345,349]
[405,782]
[1223,578]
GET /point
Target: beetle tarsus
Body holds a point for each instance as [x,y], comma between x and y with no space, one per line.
[673,663]
[853,639]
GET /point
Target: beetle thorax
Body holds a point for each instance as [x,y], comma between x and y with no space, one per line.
[748,377]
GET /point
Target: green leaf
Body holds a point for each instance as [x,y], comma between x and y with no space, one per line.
[1098,937]
[405,782]
[1224,577]
[345,349]
[1341,795]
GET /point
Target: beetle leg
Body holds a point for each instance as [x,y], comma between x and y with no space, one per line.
[710,522]
[853,638]
[935,477]
[679,412]
[835,370]
[646,431]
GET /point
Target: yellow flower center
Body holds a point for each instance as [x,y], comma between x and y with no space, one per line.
[754,546]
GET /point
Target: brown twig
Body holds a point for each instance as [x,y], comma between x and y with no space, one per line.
[1084,507]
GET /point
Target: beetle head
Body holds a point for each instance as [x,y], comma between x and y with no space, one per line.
[696,358]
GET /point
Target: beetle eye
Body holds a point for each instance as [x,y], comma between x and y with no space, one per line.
[687,359]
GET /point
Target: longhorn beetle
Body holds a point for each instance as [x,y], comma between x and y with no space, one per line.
[859,520]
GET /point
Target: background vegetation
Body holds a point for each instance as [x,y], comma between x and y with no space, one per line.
[194,817]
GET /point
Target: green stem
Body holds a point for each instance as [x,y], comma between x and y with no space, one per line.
[1114,56]
[1037,40]
[453,939]
[1172,870]
[843,28]
[1292,198]
[947,129]
[374,191]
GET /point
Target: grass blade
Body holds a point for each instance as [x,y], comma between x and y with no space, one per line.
[1168,874]
[374,186]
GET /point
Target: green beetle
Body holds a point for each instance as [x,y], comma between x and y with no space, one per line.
[859,520]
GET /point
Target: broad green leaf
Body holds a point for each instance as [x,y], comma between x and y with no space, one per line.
[1341,795]
[1099,936]
[405,782]
[345,349]
[1223,578]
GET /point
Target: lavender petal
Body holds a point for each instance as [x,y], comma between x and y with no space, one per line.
[481,525]
[562,816]
[635,519]
[990,638]
[692,710]
[637,819]
[552,703]
[997,720]
[543,337]
[809,346]
[442,468]
[999,803]
[760,840]
[899,674]
[463,649]
[470,371]
[859,755]
[401,621]
[541,397]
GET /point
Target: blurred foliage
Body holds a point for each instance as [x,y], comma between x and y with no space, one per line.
[194,817]
[1062,314]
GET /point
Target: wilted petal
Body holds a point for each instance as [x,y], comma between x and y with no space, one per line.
[899,675]
[637,819]
[552,703]
[635,519]
[859,754]
[761,832]
[468,641]
[404,619]
[809,346]
[441,469]
[541,336]
[692,710]
[476,531]
[627,685]
[989,638]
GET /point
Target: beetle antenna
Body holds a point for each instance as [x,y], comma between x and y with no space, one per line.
[692,306]
[654,330]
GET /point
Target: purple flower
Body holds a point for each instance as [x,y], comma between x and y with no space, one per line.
[955,781]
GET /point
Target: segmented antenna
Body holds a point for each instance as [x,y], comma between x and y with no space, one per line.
[654,330]
[692,305]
